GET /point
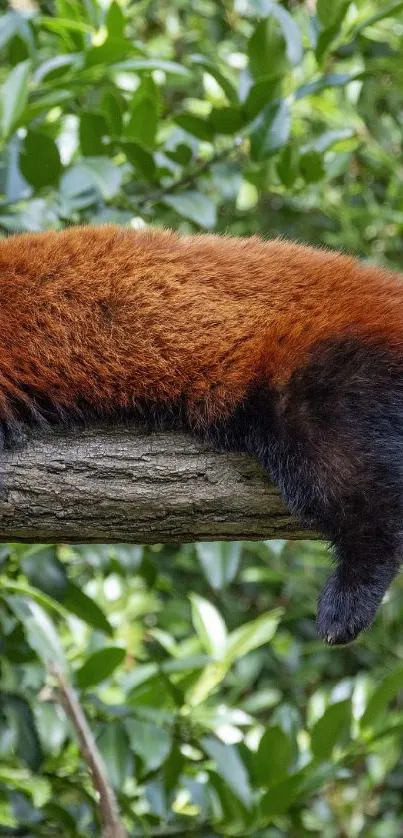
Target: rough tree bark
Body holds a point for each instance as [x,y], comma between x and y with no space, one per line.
[119,484]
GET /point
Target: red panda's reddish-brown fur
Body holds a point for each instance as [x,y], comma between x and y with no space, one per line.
[292,354]
[108,315]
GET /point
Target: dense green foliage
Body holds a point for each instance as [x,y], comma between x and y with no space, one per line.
[216,708]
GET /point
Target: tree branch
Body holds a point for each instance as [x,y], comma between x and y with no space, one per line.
[108,807]
[124,484]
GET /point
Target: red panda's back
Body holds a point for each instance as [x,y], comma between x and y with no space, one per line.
[109,316]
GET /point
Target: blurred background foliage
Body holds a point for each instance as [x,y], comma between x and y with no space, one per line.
[216,708]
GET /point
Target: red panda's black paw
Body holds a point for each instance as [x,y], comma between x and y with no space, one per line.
[344,612]
[338,634]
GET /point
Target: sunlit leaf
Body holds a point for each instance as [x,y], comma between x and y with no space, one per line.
[38,788]
[39,630]
[209,625]
[13,97]
[138,64]
[252,635]
[218,74]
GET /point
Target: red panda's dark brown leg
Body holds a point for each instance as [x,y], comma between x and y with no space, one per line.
[334,444]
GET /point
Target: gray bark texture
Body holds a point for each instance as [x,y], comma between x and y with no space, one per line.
[122,484]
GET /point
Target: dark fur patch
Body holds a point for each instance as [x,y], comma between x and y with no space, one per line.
[333,443]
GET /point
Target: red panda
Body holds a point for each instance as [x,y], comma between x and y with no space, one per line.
[292,354]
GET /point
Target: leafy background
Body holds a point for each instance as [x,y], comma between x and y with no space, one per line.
[218,711]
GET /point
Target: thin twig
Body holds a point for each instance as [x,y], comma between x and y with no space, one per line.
[112,826]
[188,178]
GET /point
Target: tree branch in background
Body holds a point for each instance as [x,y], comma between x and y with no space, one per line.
[189,177]
[112,826]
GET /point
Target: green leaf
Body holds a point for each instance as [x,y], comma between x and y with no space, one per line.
[325,39]
[54,812]
[39,147]
[63,25]
[98,173]
[139,157]
[331,12]
[45,571]
[115,20]
[270,131]
[193,206]
[273,757]
[144,108]
[78,603]
[227,120]
[113,744]
[9,24]
[311,166]
[209,626]
[109,54]
[43,104]
[377,706]
[235,818]
[195,125]
[28,745]
[181,154]
[280,797]
[330,138]
[113,107]
[93,129]
[39,631]
[226,85]
[261,94]
[55,67]
[252,635]
[206,684]
[287,717]
[230,767]
[136,65]
[290,32]
[328,80]
[287,166]
[331,730]
[220,561]
[99,666]
[151,743]
[381,14]
[13,97]
[39,788]
[267,50]
[24,590]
